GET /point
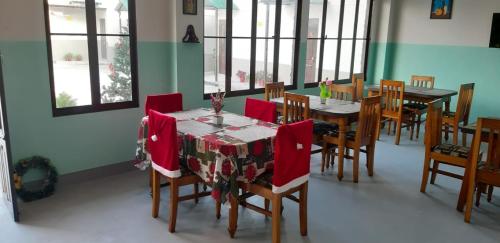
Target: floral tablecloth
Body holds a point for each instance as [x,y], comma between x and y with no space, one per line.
[238,150]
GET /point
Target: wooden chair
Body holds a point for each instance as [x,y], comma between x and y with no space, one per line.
[419,108]
[358,82]
[364,136]
[343,92]
[296,108]
[392,93]
[438,151]
[274,90]
[484,173]
[461,115]
[162,140]
[290,175]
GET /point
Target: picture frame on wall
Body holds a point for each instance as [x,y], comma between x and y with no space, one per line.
[190,7]
[441,9]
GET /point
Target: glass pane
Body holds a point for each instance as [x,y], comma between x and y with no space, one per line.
[112,17]
[364,7]
[71,71]
[264,62]
[266,16]
[332,19]
[312,61]
[285,69]
[215,64]
[349,17]
[288,17]
[345,60]
[359,56]
[215,18]
[242,18]
[240,78]
[67,16]
[329,60]
[315,19]
[114,69]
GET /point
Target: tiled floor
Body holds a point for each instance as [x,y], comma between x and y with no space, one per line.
[385,208]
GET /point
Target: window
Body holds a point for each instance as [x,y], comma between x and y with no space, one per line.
[92,55]
[337,39]
[253,47]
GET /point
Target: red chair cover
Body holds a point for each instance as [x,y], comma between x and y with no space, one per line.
[261,110]
[162,141]
[292,155]
[164,103]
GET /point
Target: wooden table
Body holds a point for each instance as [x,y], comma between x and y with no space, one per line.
[420,94]
[340,112]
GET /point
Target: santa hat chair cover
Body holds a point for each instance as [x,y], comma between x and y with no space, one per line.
[164,103]
[260,109]
[292,156]
[162,140]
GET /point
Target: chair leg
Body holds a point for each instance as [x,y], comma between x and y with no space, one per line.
[217,209]
[276,217]
[425,173]
[446,132]
[479,191]
[332,157]
[419,122]
[455,135]
[398,132]
[470,193]
[266,204]
[155,183]
[435,168]
[303,209]
[464,139]
[323,156]
[370,158]
[174,200]
[389,127]
[196,189]
[233,216]
[355,166]
[490,192]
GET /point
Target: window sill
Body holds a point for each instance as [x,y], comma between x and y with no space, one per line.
[248,92]
[68,111]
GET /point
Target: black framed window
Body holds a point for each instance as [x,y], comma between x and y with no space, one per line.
[92,51]
[259,44]
[338,40]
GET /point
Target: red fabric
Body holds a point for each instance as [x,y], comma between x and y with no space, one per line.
[290,161]
[164,151]
[164,103]
[261,110]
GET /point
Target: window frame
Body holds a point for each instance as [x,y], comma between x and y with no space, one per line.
[253,39]
[339,40]
[93,52]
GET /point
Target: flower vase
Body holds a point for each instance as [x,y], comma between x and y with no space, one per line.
[219,119]
[323,100]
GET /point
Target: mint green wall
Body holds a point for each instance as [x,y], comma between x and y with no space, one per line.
[451,65]
[76,142]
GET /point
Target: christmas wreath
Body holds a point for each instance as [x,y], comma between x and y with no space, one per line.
[49,182]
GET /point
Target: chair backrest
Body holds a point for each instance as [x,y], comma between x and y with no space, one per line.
[358,81]
[274,90]
[162,143]
[261,110]
[164,103]
[296,108]
[464,102]
[343,92]
[292,155]
[433,125]
[369,115]
[392,93]
[422,81]
[487,130]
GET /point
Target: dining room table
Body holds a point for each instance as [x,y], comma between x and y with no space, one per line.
[340,112]
[223,155]
[420,94]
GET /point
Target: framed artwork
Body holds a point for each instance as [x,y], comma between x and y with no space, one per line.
[495,31]
[190,7]
[441,9]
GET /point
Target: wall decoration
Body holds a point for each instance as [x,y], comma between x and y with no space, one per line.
[49,183]
[190,7]
[495,31]
[190,36]
[441,9]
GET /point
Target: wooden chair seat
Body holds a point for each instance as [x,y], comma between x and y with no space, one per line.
[321,128]
[452,150]
[415,106]
[449,114]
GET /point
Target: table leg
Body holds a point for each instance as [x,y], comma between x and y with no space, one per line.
[233,216]
[341,146]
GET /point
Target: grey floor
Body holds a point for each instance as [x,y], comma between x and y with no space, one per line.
[385,208]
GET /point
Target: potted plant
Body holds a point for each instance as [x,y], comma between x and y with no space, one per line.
[242,75]
[78,57]
[68,57]
[217,104]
